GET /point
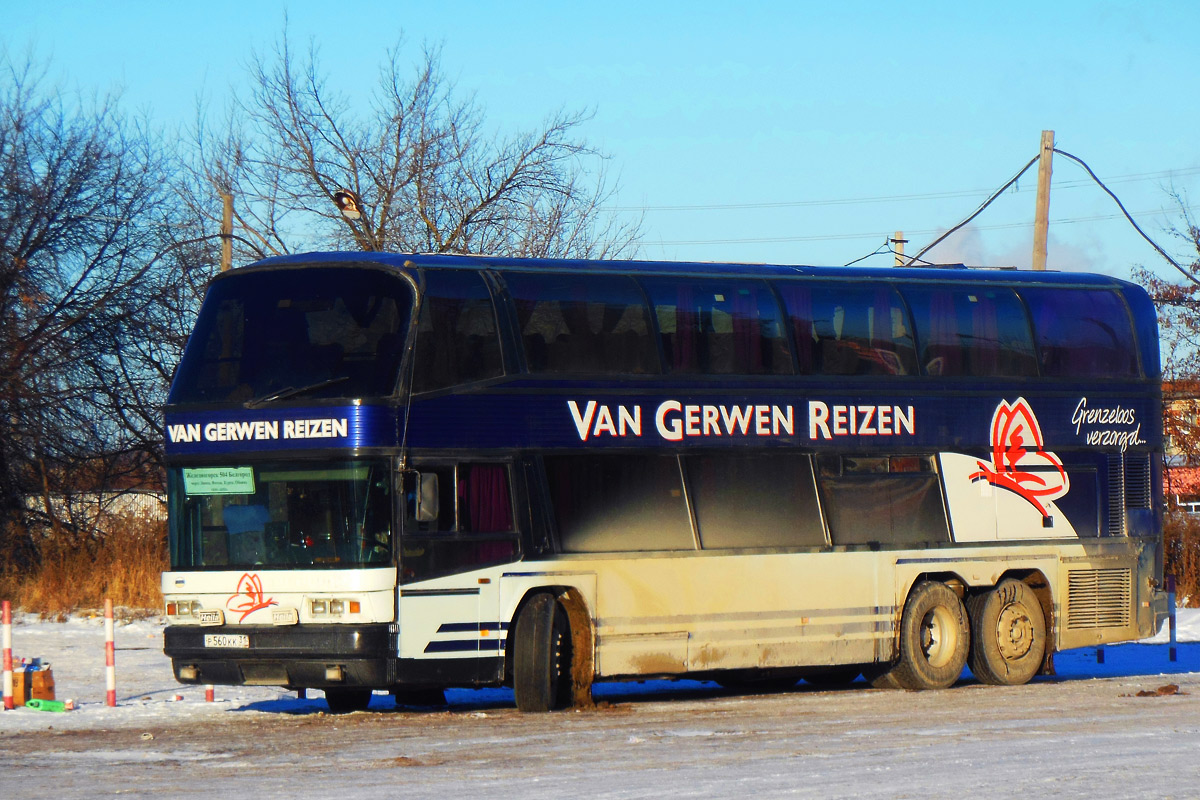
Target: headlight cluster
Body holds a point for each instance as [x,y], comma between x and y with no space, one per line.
[333,608]
[183,608]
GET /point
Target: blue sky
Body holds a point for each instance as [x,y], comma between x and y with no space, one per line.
[787,132]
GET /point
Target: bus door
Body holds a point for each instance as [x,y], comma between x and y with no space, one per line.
[458,527]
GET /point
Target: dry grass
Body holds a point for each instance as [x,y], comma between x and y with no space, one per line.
[125,565]
[1181,539]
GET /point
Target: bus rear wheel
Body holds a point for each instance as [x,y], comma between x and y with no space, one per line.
[1008,634]
[542,655]
[934,640]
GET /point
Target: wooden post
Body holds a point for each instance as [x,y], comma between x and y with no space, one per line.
[899,241]
[1041,221]
[226,231]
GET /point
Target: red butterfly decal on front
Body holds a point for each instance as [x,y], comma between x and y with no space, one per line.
[250,590]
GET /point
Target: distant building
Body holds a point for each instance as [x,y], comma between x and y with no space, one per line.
[1181,433]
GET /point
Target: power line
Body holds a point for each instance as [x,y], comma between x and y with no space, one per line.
[926,232]
[1129,178]
[1187,274]
[977,211]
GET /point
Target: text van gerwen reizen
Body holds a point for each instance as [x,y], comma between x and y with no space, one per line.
[259,430]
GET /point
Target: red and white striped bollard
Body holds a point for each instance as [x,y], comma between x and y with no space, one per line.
[8,680]
[110,656]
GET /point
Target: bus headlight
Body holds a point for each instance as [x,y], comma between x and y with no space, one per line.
[333,607]
[183,608]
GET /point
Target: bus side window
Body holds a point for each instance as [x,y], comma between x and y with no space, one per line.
[720,327]
[846,330]
[457,340]
[759,500]
[1082,333]
[976,331]
[583,324]
[881,500]
[613,503]
[474,526]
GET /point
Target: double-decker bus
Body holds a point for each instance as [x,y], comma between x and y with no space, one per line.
[412,472]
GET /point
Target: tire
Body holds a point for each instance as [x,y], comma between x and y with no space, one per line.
[1008,634]
[542,656]
[345,701]
[935,638]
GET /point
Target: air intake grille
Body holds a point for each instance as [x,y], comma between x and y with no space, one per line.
[1137,481]
[1098,598]
[1116,495]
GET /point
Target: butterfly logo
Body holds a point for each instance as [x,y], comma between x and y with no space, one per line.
[250,590]
[1019,462]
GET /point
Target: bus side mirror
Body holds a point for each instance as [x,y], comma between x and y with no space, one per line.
[426,497]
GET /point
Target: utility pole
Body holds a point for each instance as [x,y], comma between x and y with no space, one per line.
[1041,220]
[226,231]
[899,241]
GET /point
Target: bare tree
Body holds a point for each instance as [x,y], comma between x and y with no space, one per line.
[427,174]
[81,199]
[1178,304]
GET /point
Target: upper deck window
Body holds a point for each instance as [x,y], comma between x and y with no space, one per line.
[842,329]
[1082,333]
[316,332]
[976,331]
[456,332]
[583,323]
[720,327]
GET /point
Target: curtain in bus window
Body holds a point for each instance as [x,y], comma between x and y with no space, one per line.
[747,332]
[760,500]
[456,332]
[1082,333]
[849,330]
[618,503]
[798,300]
[720,327]
[485,504]
[583,323]
[686,319]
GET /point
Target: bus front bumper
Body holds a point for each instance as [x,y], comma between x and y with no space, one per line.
[296,656]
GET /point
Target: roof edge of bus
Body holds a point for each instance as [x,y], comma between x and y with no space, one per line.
[473,261]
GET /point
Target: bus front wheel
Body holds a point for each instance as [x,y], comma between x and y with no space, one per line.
[1008,634]
[542,655]
[934,640]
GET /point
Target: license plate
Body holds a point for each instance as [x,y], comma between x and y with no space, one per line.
[226,640]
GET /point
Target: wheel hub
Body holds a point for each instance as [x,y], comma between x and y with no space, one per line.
[937,638]
[1014,632]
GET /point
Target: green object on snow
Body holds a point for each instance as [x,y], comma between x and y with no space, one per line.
[46,705]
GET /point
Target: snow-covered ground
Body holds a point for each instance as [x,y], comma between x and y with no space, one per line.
[1082,733]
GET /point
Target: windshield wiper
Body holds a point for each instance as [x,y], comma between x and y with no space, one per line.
[292,391]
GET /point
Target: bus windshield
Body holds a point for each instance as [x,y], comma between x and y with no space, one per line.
[284,515]
[309,333]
